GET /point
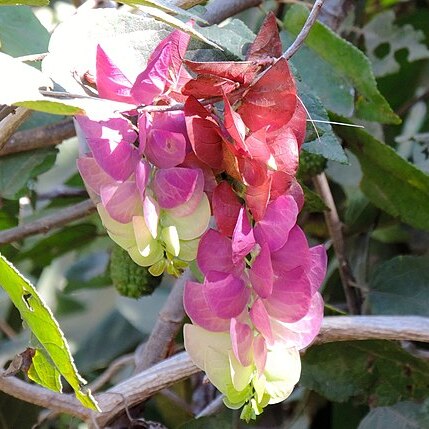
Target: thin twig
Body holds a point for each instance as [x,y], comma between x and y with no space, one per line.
[336,233]
[145,384]
[402,110]
[177,400]
[166,328]
[335,328]
[11,122]
[7,329]
[39,137]
[219,10]
[334,12]
[45,224]
[63,192]
[311,19]
[32,58]
[43,397]
[113,369]
[212,407]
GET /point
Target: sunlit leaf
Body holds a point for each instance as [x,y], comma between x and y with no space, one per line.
[25,2]
[43,325]
[389,181]
[342,59]
[43,372]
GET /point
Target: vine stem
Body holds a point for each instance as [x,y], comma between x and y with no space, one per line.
[336,232]
[219,10]
[11,122]
[45,224]
[311,19]
[166,327]
[39,137]
[141,386]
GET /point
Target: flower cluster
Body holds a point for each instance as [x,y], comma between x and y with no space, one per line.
[149,188]
[157,179]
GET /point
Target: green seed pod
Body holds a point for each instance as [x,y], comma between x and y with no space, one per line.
[130,279]
[310,165]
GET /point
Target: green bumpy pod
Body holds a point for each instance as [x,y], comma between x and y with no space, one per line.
[130,279]
[310,165]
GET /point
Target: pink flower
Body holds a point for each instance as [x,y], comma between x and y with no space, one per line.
[263,278]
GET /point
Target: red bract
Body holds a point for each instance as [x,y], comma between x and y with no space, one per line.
[226,208]
[267,44]
[203,132]
[271,100]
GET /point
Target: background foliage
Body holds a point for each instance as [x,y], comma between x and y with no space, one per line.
[373,70]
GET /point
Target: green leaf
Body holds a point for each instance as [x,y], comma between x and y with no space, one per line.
[69,238]
[166,7]
[20,86]
[382,31]
[95,352]
[89,272]
[234,37]
[43,372]
[43,325]
[21,33]
[376,372]
[25,2]
[404,415]
[400,286]
[390,182]
[17,169]
[313,203]
[323,142]
[342,59]
[176,23]
[333,89]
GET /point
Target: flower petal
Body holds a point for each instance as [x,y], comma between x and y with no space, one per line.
[193,225]
[111,142]
[176,186]
[293,254]
[151,215]
[122,201]
[318,264]
[225,294]
[226,208]
[241,340]
[197,340]
[93,175]
[199,312]
[243,240]
[111,81]
[215,253]
[282,372]
[260,319]
[165,149]
[261,273]
[302,332]
[142,174]
[291,296]
[260,353]
[280,217]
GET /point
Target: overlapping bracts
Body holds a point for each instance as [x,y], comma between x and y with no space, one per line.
[158,177]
